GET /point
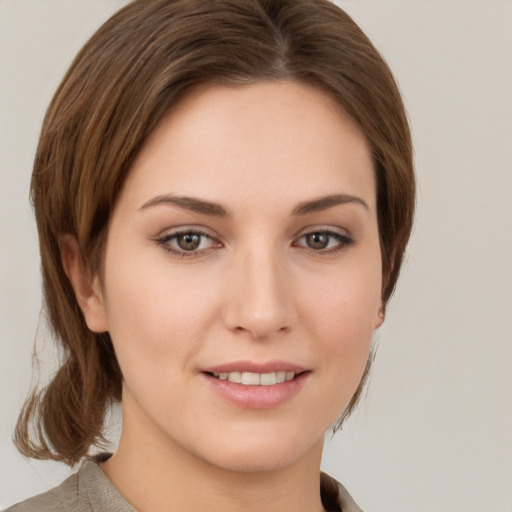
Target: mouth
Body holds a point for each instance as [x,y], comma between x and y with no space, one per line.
[256,379]
[264,387]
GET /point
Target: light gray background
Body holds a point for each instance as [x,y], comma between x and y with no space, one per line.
[434,433]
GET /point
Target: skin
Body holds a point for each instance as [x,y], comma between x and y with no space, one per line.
[254,290]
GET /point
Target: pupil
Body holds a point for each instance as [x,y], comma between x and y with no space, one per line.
[317,240]
[189,242]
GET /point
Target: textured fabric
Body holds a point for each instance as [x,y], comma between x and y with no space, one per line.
[89,490]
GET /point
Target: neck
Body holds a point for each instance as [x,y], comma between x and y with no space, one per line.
[163,476]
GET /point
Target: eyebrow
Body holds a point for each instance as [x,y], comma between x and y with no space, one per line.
[188,203]
[323,203]
[208,208]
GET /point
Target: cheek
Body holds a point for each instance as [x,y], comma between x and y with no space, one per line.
[343,312]
[157,322]
[347,301]
[155,313]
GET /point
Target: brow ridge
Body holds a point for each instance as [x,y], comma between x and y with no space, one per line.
[211,208]
[323,203]
[187,203]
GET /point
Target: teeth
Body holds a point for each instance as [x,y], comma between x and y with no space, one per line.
[256,379]
[250,379]
[268,379]
[235,377]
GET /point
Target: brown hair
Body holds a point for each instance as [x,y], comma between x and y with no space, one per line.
[120,85]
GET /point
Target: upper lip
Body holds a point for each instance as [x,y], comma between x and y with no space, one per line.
[254,367]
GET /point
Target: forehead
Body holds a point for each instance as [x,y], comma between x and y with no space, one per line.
[280,139]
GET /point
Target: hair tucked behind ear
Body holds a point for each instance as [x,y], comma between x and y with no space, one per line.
[121,84]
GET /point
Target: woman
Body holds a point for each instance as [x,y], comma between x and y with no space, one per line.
[223,192]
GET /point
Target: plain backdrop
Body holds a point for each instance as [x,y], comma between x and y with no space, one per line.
[434,433]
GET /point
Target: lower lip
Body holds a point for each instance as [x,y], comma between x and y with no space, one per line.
[257,397]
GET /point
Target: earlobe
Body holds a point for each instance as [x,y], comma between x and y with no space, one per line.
[86,288]
[381,315]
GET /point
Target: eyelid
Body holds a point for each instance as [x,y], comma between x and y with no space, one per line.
[164,238]
[187,228]
[344,238]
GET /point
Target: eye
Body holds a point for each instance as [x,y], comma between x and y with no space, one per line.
[317,240]
[324,241]
[187,242]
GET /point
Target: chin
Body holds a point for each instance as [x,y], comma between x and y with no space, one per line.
[260,451]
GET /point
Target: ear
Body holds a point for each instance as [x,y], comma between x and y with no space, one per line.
[381,315]
[87,289]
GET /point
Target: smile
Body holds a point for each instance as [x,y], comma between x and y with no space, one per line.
[257,390]
[256,379]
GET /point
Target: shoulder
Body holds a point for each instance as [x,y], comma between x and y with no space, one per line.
[62,498]
[88,490]
[335,497]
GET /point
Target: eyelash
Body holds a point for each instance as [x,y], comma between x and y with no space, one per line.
[165,241]
[343,240]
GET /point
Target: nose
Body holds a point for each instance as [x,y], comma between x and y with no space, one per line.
[260,300]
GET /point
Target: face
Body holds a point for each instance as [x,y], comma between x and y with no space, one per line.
[242,276]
